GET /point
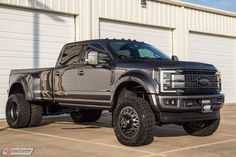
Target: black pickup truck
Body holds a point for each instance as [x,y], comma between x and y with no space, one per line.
[140,85]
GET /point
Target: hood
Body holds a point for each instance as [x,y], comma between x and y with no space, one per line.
[165,64]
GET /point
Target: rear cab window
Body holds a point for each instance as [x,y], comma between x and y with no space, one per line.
[70,55]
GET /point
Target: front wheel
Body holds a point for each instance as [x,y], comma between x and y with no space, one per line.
[134,122]
[202,128]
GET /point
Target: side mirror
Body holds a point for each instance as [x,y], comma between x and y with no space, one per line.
[92,58]
[175,58]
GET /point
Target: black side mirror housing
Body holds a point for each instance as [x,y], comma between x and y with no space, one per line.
[174,58]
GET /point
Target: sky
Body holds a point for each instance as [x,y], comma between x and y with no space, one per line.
[229,5]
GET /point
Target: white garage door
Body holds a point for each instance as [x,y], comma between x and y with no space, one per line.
[160,38]
[30,39]
[220,51]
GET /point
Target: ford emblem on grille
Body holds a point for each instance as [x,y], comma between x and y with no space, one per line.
[203,81]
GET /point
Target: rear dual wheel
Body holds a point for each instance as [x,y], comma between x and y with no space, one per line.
[21,114]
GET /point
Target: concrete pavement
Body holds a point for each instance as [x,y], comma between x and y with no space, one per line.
[60,137]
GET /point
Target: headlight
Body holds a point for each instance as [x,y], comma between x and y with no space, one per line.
[165,81]
[156,76]
[218,78]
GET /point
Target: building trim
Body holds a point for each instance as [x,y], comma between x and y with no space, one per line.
[135,23]
[198,7]
[208,33]
[37,9]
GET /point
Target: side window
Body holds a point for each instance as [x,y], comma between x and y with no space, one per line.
[71,55]
[120,49]
[145,53]
[103,56]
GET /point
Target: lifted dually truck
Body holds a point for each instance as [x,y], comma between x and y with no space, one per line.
[140,85]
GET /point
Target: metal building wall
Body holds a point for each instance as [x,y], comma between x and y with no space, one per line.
[155,14]
[180,16]
[67,6]
[207,22]
[203,21]
[79,8]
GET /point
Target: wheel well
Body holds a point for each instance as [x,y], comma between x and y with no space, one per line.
[16,88]
[127,89]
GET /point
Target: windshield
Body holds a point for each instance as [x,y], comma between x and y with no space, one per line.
[135,50]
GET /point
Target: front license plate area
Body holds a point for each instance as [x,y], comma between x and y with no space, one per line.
[206,106]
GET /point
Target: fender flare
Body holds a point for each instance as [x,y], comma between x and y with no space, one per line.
[148,83]
[25,86]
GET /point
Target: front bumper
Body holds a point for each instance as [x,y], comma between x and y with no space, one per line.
[189,102]
[179,118]
[180,109]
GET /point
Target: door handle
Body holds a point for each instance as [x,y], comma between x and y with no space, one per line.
[81,72]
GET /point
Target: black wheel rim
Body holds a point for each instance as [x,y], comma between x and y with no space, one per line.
[13,111]
[129,122]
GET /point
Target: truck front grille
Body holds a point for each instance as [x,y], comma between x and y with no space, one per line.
[196,77]
[198,83]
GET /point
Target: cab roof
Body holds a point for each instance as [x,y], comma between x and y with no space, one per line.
[104,40]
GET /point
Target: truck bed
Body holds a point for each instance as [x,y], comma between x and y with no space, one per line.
[38,81]
[29,71]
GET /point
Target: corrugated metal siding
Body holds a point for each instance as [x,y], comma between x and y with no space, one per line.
[180,16]
[67,6]
[157,14]
[207,22]
[161,38]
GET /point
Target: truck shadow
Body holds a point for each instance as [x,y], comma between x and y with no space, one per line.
[66,123]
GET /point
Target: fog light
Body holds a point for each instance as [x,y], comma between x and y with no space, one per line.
[171,102]
[189,104]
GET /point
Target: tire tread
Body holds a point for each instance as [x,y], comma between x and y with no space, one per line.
[23,108]
[146,134]
[36,115]
[208,130]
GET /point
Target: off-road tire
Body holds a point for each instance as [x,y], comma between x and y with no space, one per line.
[36,115]
[146,120]
[17,111]
[208,127]
[86,116]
